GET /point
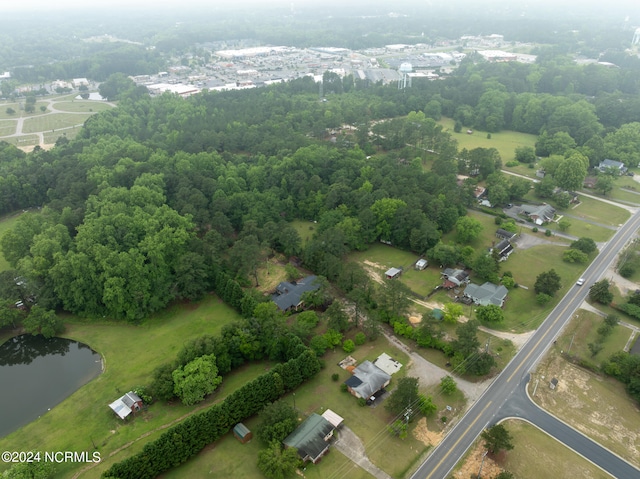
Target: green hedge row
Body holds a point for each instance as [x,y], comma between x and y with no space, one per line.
[186,439]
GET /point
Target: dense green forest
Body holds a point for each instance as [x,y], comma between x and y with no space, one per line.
[153,194]
[166,198]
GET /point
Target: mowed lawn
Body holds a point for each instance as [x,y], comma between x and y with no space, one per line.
[130,354]
[584,330]
[537,455]
[600,212]
[7,127]
[505,141]
[81,106]
[54,121]
[229,458]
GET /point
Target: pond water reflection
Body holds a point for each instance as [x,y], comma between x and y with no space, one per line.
[37,373]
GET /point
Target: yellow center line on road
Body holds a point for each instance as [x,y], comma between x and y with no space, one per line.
[613,249]
[459,439]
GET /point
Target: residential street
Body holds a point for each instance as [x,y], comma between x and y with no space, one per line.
[485,411]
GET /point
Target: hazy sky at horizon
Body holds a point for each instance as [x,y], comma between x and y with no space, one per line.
[597,7]
[88,4]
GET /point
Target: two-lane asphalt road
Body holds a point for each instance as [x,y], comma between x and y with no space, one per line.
[520,406]
[486,409]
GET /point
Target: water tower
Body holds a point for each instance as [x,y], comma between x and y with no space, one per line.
[636,37]
[405,69]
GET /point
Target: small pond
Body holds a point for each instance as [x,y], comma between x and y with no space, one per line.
[37,373]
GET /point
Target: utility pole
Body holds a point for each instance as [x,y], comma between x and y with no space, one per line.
[569,350]
[486,348]
[482,463]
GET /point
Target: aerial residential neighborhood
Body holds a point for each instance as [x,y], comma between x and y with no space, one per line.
[319,240]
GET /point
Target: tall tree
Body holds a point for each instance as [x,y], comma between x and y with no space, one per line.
[278,463]
[547,282]
[468,229]
[404,397]
[571,172]
[497,438]
[599,292]
[196,379]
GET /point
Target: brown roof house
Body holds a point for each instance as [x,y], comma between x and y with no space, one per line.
[367,380]
[127,404]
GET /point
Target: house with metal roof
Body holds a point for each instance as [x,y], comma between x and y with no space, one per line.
[311,438]
[367,380]
[486,294]
[393,273]
[127,404]
[288,295]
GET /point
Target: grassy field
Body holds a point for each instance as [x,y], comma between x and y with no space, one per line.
[535,455]
[7,127]
[626,189]
[54,121]
[583,330]
[6,223]
[505,141]
[82,106]
[598,406]
[306,230]
[522,313]
[22,141]
[600,212]
[229,458]
[385,256]
[130,354]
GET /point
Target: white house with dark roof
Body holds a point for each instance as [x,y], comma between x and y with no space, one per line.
[504,249]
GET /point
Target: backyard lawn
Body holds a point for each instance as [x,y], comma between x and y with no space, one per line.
[229,458]
[130,354]
[505,141]
[535,454]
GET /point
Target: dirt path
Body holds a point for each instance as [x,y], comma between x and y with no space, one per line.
[349,444]
[146,434]
[429,374]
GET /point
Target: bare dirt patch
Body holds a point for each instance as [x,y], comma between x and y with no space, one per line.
[422,433]
[596,406]
[373,270]
[471,465]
